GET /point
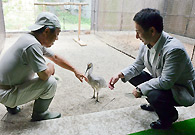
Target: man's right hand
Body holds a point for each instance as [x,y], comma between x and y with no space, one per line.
[114,79]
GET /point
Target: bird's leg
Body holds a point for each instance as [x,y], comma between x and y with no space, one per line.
[97,97]
[93,93]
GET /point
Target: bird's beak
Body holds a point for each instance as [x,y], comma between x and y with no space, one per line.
[86,70]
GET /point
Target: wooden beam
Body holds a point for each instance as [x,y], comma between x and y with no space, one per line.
[59,3]
[80,42]
[67,3]
[79,21]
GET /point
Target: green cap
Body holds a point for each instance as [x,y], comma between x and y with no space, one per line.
[45,18]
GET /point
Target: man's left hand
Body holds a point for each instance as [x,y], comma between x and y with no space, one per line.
[136,93]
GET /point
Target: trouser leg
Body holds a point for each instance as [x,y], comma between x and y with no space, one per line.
[163,103]
[31,90]
[161,100]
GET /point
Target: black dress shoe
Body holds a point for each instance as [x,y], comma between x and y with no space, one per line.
[160,125]
[147,107]
[14,110]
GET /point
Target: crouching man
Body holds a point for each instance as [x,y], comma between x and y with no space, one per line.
[170,81]
[25,58]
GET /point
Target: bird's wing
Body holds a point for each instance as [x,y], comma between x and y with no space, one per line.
[100,82]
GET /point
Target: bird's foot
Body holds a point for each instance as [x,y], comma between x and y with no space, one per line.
[97,101]
[93,97]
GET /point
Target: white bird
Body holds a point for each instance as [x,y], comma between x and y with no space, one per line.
[96,82]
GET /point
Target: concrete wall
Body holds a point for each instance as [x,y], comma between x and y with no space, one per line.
[180,18]
[2,28]
[118,14]
[179,15]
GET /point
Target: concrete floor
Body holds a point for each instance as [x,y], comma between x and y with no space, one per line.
[118,111]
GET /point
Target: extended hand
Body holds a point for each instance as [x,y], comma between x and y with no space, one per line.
[113,80]
[81,76]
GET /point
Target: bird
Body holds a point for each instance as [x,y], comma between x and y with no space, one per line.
[96,82]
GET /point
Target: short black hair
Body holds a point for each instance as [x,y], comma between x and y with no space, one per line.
[148,17]
[52,29]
